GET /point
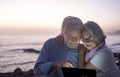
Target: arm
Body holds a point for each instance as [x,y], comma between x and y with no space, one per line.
[57,65]
[81,60]
[91,66]
[43,64]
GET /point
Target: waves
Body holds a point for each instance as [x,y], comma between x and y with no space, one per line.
[10,60]
[116,44]
[18,64]
[17,44]
[12,53]
[115,47]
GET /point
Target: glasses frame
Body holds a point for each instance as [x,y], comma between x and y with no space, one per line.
[89,39]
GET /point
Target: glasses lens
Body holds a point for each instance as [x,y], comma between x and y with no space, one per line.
[89,39]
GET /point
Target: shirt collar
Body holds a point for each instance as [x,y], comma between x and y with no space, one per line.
[69,49]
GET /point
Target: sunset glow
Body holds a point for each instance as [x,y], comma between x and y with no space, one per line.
[42,14]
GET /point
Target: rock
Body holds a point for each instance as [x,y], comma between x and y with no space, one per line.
[29,73]
[18,73]
[31,50]
[117,59]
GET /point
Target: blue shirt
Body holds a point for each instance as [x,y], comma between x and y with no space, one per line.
[50,53]
[72,56]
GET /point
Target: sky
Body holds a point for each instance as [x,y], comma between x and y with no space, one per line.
[44,16]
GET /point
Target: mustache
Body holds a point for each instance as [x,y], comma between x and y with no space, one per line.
[72,44]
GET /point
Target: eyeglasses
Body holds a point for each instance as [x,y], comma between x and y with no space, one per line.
[89,39]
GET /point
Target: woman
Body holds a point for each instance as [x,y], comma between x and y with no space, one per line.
[98,56]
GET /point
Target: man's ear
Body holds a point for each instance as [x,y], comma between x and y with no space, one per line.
[60,39]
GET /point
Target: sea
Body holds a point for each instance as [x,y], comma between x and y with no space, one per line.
[12,55]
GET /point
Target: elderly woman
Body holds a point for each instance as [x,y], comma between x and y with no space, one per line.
[98,56]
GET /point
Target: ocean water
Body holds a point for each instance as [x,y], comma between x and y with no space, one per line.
[11,51]
[113,42]
[12,55]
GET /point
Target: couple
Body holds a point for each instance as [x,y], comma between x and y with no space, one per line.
[66,51]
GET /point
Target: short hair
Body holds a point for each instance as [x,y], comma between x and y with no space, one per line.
[71,20]
[95,30]
[72,27]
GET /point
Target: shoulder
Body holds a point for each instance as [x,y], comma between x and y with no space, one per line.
[103,59]
[104,51]
[50,40]
[103,54]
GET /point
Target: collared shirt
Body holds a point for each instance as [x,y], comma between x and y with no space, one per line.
[72,56]
[52,52]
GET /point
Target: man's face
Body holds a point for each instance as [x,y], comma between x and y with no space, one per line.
[72,38]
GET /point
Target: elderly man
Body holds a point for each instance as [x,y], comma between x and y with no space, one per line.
[54,56]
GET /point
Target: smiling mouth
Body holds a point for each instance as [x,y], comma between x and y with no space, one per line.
[88,45]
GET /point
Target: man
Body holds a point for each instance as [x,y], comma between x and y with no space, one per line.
[54,56]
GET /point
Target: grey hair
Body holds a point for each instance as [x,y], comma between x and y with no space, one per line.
[72,27]
[71,20]
[95,30]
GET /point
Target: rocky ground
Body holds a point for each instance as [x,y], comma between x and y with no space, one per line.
[18,73]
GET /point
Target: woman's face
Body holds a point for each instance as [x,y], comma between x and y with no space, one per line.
[88,40]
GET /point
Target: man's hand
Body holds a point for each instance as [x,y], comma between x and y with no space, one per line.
[56,65]
[67,64]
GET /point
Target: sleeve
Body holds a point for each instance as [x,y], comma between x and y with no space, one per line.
[102,60]
[43,64]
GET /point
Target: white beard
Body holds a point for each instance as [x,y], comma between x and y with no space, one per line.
[72,44]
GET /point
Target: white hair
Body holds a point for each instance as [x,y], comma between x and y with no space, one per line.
[72,21]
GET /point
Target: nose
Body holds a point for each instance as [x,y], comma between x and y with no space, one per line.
[74,39]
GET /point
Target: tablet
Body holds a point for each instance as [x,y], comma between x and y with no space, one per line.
[77,72]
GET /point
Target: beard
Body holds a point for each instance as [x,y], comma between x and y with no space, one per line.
[72,44]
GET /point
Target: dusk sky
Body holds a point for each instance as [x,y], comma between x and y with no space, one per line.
[44,15]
